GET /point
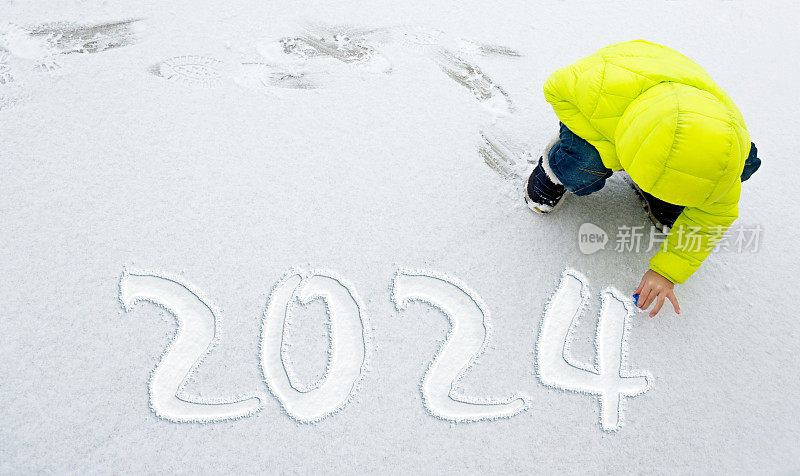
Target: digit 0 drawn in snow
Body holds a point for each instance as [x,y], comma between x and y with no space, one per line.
[610,377]
[67,38]
[467,339]
[190,70]
[347,350]
[197,335]
[490,95]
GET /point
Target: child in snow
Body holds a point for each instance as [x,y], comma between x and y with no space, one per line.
[654,113]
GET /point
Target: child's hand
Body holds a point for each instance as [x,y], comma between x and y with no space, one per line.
[656,287]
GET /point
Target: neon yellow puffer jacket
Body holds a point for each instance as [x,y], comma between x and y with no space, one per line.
[656,114]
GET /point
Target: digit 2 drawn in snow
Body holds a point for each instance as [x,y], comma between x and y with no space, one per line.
[197,334]
[610,377]
[470,330]
[347,350]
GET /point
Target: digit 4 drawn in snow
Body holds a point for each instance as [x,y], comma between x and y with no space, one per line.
[610,378]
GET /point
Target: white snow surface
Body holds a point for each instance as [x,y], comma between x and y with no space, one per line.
[226,146]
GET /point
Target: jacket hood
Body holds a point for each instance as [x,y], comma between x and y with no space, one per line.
[681,144]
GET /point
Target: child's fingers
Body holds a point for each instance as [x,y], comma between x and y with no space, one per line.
[639,289]
[644,298]
[674,300]
[659,302]
[642,284]
[651,296]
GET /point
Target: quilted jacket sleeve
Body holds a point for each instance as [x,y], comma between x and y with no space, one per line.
[574,90]
[695,233]
[560,92]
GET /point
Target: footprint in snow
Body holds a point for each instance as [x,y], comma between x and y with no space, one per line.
[504,157]
[27,48]
[491,95]
[6,75]
[264,75]
[477,48]
[348,45]
[190,70]
[66,38]
[319,57]
[420,39]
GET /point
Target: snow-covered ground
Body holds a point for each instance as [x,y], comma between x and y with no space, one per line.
[214,163]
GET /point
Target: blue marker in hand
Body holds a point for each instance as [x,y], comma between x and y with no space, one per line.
[636,299]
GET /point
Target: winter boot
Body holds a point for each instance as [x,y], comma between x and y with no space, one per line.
[662,214]
[544,190]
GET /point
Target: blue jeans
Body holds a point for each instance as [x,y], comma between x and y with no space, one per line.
[577,164]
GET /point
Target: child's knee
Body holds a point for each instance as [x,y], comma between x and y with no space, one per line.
[577,164]
[578,170]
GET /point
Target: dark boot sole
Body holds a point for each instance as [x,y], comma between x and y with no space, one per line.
[645,205]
